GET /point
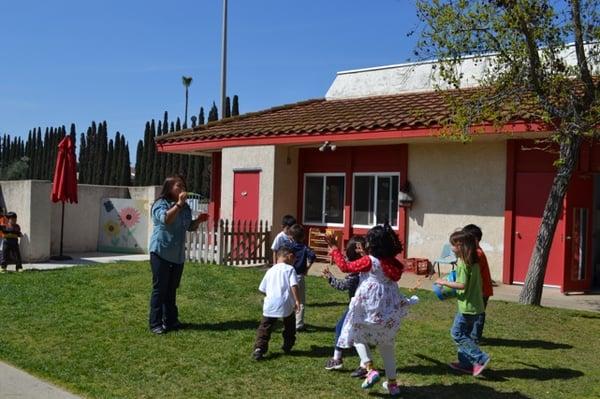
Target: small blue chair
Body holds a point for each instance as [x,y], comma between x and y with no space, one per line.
[447,257]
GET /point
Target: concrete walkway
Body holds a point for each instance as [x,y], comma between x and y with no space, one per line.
[551,297]
[17,384]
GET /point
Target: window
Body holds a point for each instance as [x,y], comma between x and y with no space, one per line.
[324,198]
[375,199]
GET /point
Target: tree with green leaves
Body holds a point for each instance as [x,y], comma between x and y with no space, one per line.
[187,81]
[523,44]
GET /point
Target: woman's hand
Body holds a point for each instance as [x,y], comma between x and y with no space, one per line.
[182,198]
[440,281]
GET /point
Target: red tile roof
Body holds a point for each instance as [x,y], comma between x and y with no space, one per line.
[380,113]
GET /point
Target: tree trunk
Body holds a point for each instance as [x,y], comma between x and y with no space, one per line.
[531,294]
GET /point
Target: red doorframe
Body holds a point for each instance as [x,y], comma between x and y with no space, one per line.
[533,160]
[348,160]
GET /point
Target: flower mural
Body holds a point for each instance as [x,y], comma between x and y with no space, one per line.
[111,228]
[123,225]
[129,217]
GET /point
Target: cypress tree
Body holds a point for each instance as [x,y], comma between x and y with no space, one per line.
[165,124]
[155,175]
[143,161]
[201,116]
[81,157]
[139,154]
[172,128]
[194,119]
[117,162]
[108,176]
[235,108]
[227,110]
[178,125]
[126,179]
[213,114]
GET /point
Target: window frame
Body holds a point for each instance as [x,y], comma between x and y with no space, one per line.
[377,175]
[323,203]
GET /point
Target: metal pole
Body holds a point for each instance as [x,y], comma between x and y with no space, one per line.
[62,228]
[224,60]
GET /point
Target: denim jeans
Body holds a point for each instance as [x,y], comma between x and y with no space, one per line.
[166,277]
[338,328]
[479,323]
[462,333]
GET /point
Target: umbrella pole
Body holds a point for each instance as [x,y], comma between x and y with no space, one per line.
[62,228]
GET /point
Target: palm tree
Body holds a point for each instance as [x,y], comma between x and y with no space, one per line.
[187,81]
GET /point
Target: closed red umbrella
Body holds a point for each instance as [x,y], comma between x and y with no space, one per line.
[64,183]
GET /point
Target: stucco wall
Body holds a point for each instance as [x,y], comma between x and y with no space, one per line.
[248,158]
[454,185]
[30,199]
[81,219]
[40,219]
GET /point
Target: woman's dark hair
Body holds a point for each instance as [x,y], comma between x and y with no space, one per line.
[466,245]
[170,181]
[351,252]
[382,242]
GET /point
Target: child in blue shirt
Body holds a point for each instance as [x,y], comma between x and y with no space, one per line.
[304,258]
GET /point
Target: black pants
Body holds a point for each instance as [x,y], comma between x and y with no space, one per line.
[165,281]
[267,324]
[10,252]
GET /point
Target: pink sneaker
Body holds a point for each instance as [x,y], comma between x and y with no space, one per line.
[392,388]
[478,368]
[459,367]
[372,378]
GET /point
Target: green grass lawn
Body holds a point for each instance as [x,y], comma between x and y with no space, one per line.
[85,329]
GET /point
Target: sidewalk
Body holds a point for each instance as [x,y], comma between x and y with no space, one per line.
[17,384]
[87,258]
[551,297]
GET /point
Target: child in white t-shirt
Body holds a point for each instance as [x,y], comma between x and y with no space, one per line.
[280,286]
[283,238]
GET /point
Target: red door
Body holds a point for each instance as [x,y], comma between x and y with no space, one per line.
[245,215]
[531,190]
[245,196]
[578,234]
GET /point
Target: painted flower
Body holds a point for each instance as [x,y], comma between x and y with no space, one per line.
[112,228]
[129,217]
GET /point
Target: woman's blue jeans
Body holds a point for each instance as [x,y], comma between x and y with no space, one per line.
[462,333]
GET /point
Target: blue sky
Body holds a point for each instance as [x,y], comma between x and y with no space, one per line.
[121,61]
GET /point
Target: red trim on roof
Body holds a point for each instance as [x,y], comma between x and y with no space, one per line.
[299,139]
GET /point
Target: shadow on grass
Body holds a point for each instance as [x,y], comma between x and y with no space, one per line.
[461,391]
[314,351]
[326,304]
[524,343]
[222,326]
[531,372]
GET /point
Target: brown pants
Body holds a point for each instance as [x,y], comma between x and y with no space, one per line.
[266,327]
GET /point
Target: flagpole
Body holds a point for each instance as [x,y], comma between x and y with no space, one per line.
[224,61]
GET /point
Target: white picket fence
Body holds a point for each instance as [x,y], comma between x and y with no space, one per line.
[239,243]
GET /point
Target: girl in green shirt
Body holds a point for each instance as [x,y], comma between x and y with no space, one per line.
[471,359]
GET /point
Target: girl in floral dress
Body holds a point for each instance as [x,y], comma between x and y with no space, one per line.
[375,312]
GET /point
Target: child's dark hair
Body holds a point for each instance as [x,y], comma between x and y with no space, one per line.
[382,242]
[296,232]
[474,230]
[284,250]
[466,245]
[288,221]
[351,252]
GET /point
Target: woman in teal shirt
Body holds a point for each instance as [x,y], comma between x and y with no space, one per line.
[171,217]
